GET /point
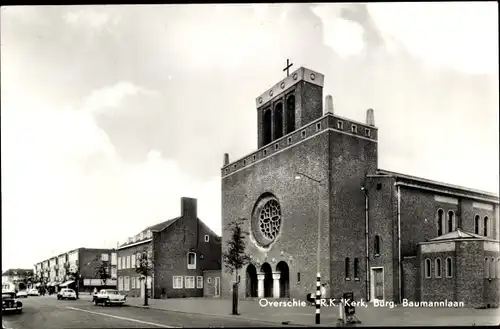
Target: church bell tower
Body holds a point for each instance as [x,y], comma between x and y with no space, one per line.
[292,103]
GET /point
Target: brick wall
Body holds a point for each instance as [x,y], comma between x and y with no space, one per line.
[411,269]
[351,160]
[470,273]
[437,288]
[171,248]
[299,207]
[491,287]
[133,290]
[209,282]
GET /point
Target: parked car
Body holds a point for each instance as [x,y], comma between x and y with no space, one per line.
[66,294]
[109,297]
[22,294]
[10,303]
[33,292]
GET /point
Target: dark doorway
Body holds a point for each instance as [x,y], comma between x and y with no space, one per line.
[267,123]
[290,114]
[251,283]
[278,121]
[268,280]
[282,267]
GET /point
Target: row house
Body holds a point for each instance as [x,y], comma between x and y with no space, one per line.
[59,271]
[179,250]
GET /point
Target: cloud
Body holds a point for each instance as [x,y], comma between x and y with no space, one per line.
[111,96]
[68,187]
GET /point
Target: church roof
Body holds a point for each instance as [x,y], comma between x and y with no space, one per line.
[460,235]
[428,182]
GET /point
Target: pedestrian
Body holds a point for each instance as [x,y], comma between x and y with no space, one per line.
[323,290]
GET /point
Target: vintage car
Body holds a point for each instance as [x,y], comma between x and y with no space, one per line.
[10,302]
[33,292]
[22,294]
[109,297]
[66,294]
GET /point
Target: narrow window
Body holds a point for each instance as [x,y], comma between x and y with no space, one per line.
[254,157]
[377,245]
[207,238]
[265,152]
[367,132]
[451,218]
[340,125]
[267,127]
[476,224]
[449,268]
[318,126]
[427,268]
[438,268]
[244,162]
[290,114]
[486,268]
[199,282]
[298,276]
[234,166]
[347,268]
[289,140]
[278,121]
[492,268]
[354,128]
[440,219]
[191,264]
[485,228]
[276,146]
[303,133]
[356,269]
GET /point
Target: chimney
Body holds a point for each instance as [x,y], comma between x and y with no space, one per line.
[370,117]
[329,104]
[226,159]
[189,207]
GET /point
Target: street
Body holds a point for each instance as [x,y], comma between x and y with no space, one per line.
[48,312]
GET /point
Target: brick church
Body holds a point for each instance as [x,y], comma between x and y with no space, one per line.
[382,235]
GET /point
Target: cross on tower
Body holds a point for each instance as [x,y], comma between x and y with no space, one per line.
[288,66]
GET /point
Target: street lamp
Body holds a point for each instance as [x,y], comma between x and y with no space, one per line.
[299,176]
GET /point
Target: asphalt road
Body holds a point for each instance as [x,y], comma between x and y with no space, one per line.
[49,313]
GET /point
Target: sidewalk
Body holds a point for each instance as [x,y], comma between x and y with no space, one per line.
[369,316]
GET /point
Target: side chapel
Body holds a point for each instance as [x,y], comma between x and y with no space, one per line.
[383,235]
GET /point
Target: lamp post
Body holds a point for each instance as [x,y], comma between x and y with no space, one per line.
[318,274]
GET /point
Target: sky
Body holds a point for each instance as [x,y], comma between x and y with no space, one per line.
[111,114]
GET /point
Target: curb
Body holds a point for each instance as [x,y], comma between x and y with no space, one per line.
[218,316]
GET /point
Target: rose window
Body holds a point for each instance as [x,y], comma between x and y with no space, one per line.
[270,220]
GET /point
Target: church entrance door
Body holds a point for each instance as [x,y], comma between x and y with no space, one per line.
[282,267]
[268,280]
[377,286]
[251,281]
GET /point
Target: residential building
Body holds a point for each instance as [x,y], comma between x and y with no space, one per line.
[17,277]
[181,249]
[55,271]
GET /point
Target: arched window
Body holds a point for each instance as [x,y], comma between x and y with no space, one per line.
[278,121]
[191,260]
[428,268]
[485,228]
[451,220]
[492,268]
[476,224]
[290,114]
[498,268]
[347,268]
[377,245]
[440,222]
[449,267]
[438,268]
[267,124]
[356,268]
[486,268]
